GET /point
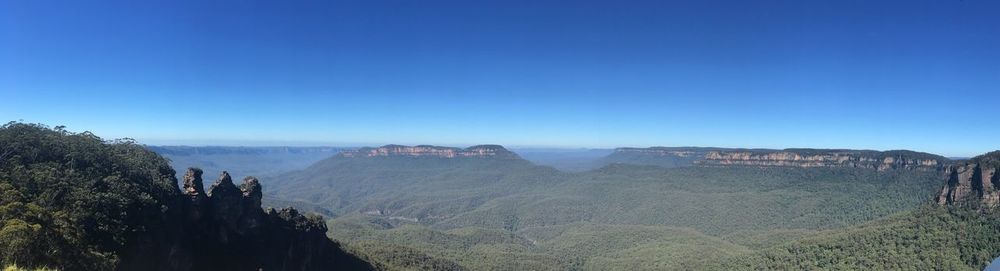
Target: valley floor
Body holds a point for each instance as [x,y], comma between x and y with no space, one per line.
[928,238]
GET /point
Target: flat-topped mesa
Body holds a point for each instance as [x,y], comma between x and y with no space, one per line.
[973,183]
[478,151]
[908,160]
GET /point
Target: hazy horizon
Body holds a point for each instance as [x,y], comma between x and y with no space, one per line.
[294,143]
[253,144]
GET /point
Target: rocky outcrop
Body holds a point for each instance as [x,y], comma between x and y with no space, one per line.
[226,201]
[828,158]
[479,151]
[252,217]
[231,231]
[974,183]
[194,190]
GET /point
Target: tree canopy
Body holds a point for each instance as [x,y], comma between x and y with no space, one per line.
[71,200]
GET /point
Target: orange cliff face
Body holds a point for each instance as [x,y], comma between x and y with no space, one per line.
[431,151]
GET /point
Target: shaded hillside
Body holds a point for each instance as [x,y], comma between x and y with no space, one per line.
[412,185]
[74,202]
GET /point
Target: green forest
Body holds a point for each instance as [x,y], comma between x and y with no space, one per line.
[929,238]
[483,214]
[71,200]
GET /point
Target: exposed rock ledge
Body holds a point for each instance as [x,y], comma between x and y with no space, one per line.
[495,151]
[973,183]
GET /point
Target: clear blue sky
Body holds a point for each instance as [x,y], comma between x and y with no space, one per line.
[922,75]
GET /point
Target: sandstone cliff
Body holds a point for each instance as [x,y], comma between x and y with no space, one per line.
[479,151]
[686,156]
[973,183]
[226,229]
[827,158]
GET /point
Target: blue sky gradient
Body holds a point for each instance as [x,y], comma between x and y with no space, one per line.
[921,75]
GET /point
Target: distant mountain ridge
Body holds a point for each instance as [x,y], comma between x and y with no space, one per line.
[244,161]
[478,151]
[217,150]
[707,156]
[658,156]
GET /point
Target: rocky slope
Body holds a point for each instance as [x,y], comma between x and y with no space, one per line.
[479,151]
[974,183]
[226,229]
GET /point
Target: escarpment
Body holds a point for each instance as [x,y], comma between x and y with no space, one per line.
[226,229]
[974,183]
[479,151]
[828,158]
[686,156]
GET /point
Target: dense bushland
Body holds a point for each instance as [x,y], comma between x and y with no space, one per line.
[72,200]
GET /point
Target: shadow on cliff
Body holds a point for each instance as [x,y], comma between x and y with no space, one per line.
[226,229]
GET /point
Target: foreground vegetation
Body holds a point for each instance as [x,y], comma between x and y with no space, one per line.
[14,267]
[71,200]
[930,238]
[76,202]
